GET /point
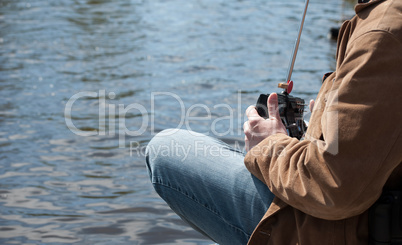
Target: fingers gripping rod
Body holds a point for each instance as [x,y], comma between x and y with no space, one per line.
[292,61]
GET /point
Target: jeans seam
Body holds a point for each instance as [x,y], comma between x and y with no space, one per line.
[196,201]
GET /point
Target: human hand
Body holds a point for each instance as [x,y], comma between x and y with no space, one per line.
[257,128]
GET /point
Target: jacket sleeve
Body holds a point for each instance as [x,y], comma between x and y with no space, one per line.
[341,172]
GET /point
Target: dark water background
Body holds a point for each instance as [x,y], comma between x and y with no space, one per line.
[209,58]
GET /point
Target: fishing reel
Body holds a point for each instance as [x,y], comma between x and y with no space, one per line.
[290,108]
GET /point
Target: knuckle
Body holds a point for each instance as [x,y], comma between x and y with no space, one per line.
[253,122]
[249,109]
[247,133]
[246,126]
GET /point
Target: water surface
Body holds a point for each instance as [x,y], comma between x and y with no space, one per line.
[197,61]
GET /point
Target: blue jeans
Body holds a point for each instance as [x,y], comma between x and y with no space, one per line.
[205,182]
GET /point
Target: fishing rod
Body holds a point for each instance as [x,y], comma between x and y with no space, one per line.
[296,47]
[290,108]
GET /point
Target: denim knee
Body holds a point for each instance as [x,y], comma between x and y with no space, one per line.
[159,150]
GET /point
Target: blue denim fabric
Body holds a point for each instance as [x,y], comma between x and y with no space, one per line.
[205,182]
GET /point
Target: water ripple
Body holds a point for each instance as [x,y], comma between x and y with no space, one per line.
[59,187]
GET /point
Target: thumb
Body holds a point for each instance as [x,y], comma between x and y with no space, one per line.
[272,104]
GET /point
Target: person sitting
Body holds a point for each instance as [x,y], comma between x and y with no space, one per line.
[286,191]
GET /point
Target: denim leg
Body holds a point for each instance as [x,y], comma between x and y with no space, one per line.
[206,183]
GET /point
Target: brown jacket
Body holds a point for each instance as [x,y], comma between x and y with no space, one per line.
[325,183]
